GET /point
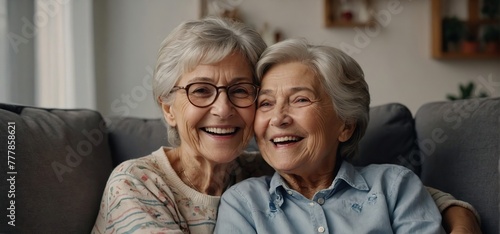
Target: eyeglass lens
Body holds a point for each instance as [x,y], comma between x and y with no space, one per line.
[205,94]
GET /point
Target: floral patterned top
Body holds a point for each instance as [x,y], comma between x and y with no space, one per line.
[145,195]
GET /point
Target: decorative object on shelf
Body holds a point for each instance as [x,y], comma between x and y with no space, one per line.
[490,8]
[348,13]
[453,31]
[269,35]
[470,45]
[491,38]
[466,92]
[225,8]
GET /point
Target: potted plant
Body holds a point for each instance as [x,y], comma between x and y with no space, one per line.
[470,45]
[453,30]
[491,38]
[466,91]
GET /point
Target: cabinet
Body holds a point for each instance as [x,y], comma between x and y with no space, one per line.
[454,38]
[348,13]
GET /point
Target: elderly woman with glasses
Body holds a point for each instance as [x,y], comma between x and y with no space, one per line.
[312,111]
[206,87]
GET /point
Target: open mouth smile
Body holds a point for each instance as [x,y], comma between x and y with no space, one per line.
[220,131]
[286,140]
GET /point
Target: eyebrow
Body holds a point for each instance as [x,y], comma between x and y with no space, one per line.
[210,80]
[293,89]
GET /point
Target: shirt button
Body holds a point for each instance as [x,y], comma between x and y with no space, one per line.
[321,201]
[311,204]
[290,192]
[321,229]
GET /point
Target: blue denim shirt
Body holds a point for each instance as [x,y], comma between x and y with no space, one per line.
[372,199]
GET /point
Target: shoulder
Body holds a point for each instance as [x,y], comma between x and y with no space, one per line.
[145,172]
[377,171]
[250,194]
[252,187]
[137,166]
[147,164]
[392,180]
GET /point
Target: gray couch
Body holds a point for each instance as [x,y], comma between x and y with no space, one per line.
[63,157]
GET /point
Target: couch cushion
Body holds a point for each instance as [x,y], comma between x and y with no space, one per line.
[459,142]
[62,162]
[135,137]
[389,138]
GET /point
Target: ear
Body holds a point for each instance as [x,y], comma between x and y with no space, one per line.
[347,130]
[168,114]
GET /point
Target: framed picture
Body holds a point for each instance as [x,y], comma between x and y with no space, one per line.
[225,8]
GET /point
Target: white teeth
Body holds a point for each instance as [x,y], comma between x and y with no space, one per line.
[220,130]
[286,138]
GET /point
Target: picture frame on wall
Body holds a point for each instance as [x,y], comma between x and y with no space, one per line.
[223,8]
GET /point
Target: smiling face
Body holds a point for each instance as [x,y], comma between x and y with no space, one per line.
[297,129]
[220,131]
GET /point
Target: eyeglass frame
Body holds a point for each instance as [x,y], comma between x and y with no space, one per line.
[217,88]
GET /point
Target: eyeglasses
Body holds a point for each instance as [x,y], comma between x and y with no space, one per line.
[204,94]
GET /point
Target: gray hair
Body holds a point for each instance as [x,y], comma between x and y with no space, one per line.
[205,41]
[341,76]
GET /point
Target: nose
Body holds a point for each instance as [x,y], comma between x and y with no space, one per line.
[222,107]
[280,117]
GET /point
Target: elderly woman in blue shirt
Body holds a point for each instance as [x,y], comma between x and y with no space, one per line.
[312,111]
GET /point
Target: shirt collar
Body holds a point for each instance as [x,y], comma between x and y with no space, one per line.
[347,173]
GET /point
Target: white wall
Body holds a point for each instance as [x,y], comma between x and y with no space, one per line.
[4,52]
[128,36]
[396,60]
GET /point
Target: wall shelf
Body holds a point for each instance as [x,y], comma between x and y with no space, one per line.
[472,24]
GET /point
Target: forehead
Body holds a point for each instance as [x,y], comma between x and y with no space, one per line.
[290,75]
[234,66]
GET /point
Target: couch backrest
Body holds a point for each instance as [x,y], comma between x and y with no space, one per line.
[390,137]
[460,147]
[60,165]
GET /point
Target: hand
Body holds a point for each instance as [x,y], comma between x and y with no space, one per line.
[459,220]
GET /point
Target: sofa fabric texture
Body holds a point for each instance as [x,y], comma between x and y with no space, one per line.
[459,144]
[61,166]
[64,157]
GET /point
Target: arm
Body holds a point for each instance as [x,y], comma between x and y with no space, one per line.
[458,216]
[130,205]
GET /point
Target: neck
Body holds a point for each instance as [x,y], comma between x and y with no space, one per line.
[309,184]
[200,174]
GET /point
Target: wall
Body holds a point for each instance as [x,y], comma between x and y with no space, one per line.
[395,56]
[19,70]
[127,37]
